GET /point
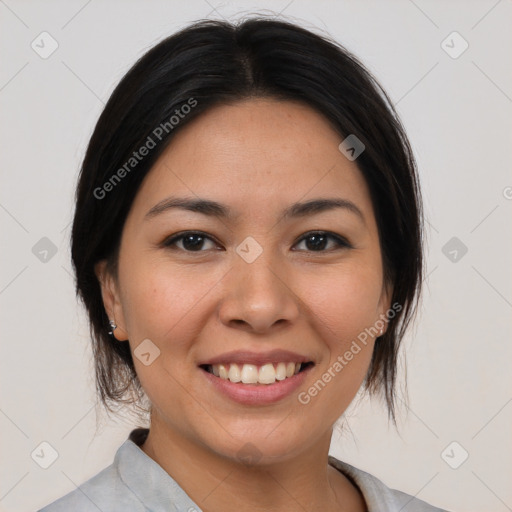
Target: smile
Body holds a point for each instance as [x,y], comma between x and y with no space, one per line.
[248,373]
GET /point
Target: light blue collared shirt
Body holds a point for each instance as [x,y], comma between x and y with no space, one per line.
[134,482]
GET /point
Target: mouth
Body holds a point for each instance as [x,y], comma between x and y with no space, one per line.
[256,378]
[257,375]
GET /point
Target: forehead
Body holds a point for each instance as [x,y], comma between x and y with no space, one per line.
[256,155]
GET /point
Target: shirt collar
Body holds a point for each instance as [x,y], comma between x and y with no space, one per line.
[147,480]
[378,497]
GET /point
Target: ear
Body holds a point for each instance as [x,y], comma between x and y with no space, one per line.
[111,299]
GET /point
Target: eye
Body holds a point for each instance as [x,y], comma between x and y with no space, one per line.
[316,241]
[192,241]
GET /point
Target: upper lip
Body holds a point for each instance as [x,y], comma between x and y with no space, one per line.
[257,358]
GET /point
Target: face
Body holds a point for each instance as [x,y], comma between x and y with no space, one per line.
[258,280]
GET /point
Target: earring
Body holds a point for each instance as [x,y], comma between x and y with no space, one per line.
[113,327]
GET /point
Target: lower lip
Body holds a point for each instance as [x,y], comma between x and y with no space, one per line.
[257,394]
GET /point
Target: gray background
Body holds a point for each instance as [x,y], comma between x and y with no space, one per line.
[457,112]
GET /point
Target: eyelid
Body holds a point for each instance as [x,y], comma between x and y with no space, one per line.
[341,241]
[170,241]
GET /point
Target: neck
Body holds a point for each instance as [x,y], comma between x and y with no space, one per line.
[218,483]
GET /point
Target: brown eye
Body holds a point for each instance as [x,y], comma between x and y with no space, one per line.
[191,241]
[318,241]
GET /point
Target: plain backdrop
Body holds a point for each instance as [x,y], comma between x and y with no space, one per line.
[457,110]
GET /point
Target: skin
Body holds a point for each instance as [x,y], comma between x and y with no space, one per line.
[257,156]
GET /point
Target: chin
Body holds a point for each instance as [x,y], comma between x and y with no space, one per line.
[260,446]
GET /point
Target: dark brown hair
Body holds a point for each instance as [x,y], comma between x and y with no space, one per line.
[216,62]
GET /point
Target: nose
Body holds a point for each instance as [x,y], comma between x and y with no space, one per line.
[258,297]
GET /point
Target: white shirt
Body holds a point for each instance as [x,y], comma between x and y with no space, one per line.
[134,482]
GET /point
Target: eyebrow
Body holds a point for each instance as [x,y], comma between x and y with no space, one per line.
[218,210]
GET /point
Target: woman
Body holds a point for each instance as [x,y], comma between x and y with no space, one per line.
[248,245]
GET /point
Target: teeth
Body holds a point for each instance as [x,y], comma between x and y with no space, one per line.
[223,373]
[281,371]
[267,374]
[251,374]
[234,373]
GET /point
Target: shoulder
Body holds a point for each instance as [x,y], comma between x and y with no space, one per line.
[134,482]
[378,496]
[104,491]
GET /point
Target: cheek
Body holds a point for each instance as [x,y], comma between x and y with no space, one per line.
[343,307]
[344,300]
[160,304]
[161,301]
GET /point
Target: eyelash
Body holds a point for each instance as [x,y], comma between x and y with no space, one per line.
[170,242]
